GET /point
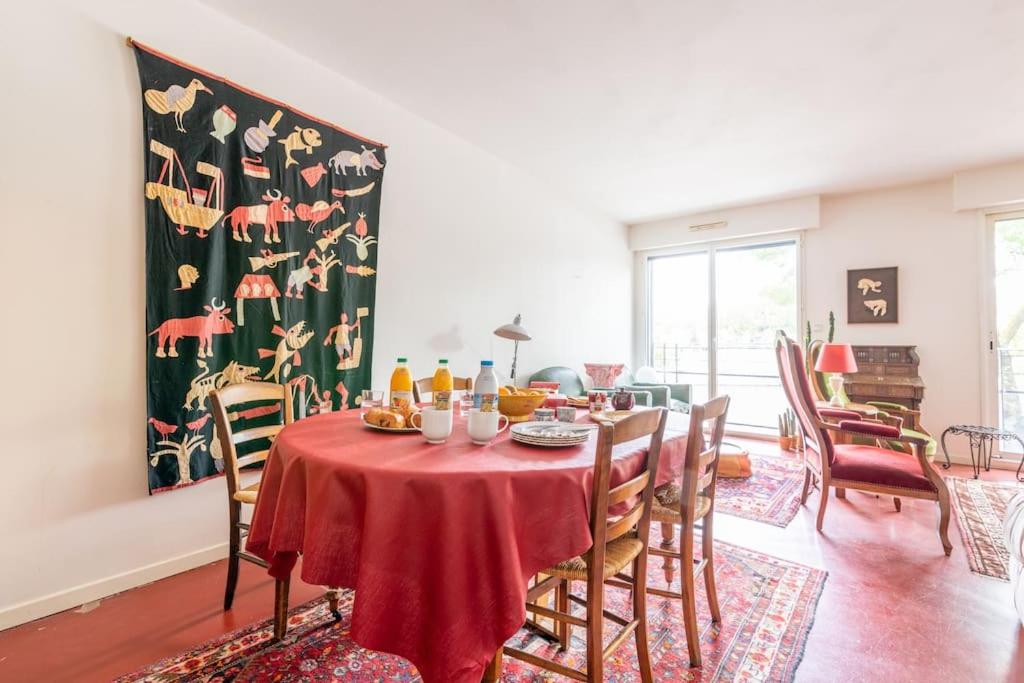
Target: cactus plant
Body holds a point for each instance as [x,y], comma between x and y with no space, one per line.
[831,326]
[787,423]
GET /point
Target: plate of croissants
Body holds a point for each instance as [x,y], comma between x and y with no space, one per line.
[398,419]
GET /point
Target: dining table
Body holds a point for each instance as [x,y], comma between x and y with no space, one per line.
[438,541]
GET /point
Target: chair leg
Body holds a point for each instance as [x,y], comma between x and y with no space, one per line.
[708,553]
[668,533]
[643,653]
[332,602]
[595,626]
[898,503]
[823,504]
[234,546]
[281,607]
[807,486]
[562,605]
[947,547]
[688,596]
[841,493]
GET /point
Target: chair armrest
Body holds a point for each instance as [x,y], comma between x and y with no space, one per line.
[869,429]
[839,414]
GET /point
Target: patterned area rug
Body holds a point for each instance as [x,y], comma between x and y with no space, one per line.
[980,507]
[770,495]
[767,607]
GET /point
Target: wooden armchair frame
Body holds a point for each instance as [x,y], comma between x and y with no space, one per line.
[819,446]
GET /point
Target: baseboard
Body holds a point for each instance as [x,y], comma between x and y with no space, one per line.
[73,597]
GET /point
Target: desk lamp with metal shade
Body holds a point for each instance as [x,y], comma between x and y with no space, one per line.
[836,359]
[516,333]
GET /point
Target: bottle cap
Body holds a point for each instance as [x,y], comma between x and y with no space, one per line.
[443,361]
[401,359]
[486,363]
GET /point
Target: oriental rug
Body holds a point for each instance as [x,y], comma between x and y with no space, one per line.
[770,495]
[767,605]
[980,507]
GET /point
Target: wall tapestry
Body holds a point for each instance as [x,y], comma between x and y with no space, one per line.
[872,295]
[261,257]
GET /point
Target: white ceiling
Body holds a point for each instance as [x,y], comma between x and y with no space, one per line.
[647,108]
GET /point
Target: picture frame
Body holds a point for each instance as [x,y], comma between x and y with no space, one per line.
[872,295]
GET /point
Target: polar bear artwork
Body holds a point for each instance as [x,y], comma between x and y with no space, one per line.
[877,307]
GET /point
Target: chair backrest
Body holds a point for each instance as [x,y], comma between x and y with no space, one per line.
[226,411]
[424,386]
[639,490]
[703,447]
[796,386]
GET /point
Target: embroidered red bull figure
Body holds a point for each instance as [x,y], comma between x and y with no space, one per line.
[203,327]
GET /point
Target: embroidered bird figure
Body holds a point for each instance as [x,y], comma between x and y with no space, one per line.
[175,99]
[163,428]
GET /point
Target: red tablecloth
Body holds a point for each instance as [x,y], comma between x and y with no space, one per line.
[438,541]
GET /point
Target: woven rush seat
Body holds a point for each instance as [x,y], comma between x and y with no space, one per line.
[618,554]
[247,495]
[666,504]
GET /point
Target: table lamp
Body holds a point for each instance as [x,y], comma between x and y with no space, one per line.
[836,359]
[516,333]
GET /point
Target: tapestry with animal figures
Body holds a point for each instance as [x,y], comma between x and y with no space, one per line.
[261,258]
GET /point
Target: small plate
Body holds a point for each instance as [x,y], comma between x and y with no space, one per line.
[392,430]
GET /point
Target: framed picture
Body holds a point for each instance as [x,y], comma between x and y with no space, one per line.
[872,295]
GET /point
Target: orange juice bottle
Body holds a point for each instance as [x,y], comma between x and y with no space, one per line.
[401,385]
[442,386]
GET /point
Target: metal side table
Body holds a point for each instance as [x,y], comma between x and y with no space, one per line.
[981,441]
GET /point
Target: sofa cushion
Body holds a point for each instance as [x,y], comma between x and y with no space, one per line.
[872,465]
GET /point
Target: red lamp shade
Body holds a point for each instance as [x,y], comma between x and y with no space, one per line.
[836,358]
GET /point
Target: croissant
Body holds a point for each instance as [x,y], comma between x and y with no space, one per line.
[385,418]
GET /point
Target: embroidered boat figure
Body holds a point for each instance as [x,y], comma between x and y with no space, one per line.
[180,203]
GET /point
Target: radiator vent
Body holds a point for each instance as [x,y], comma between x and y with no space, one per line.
[708,226]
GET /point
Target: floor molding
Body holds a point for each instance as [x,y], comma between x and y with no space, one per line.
[37,608]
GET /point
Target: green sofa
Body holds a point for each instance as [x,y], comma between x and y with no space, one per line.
[673,396]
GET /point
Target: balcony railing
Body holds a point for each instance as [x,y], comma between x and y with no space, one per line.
[747,372]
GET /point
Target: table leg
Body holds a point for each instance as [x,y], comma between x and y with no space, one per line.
[492,674]
[976,463]
[281,607]
[945,451]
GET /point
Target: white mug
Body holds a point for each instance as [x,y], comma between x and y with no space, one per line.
[483,426]
[435,425]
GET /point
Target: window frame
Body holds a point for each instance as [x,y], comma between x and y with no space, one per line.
[643,337]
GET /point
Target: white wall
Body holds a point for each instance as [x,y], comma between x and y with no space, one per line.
[938,254]
[460,253]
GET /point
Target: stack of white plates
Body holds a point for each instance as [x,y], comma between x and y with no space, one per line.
[551,434]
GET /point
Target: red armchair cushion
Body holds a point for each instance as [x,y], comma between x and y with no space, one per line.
[838,414]
[873,465]
[870,428]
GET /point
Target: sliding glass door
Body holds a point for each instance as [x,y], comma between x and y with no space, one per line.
[1006,343]
[712,317]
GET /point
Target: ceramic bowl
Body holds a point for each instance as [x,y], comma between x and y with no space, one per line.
[519,407]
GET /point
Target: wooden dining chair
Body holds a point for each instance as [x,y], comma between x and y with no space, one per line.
[228,416]
[689,503]
[424,386]
[619,540]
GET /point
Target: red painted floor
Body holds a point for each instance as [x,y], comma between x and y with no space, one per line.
[894,607]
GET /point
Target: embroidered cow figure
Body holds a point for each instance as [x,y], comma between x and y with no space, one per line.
[203,327]
[275,211]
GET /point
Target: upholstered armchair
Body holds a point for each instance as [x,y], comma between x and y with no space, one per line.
[858,466]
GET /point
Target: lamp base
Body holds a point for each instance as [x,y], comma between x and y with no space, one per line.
[835,381]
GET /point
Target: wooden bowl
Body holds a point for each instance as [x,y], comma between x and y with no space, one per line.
[519,407]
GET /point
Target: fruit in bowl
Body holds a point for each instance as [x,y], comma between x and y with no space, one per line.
[518,404]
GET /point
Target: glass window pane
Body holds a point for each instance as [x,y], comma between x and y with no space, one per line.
[756,290]
[1009,287]
[679,320]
